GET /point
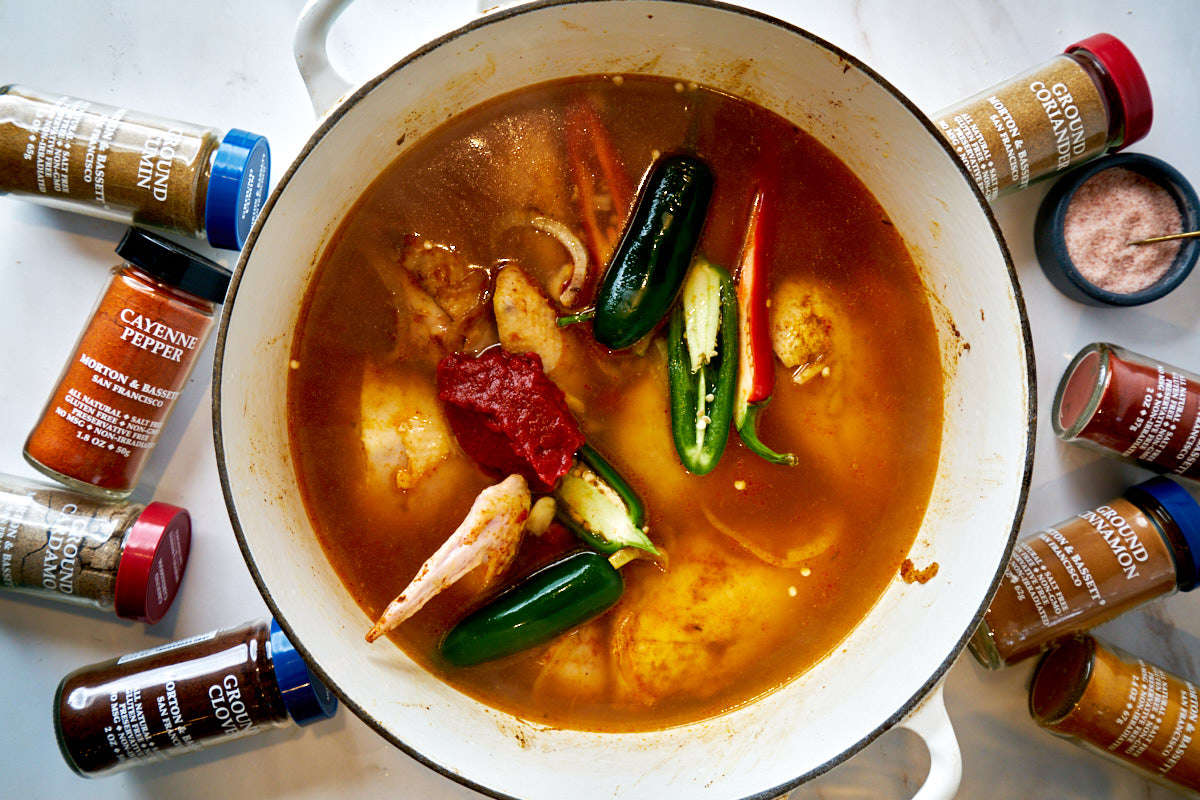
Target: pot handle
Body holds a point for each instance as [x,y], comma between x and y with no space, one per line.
[325,85]
[931,722]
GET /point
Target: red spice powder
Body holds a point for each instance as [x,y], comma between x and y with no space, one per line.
[1112,208]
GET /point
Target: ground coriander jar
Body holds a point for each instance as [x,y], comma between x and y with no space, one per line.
[1088,569]
[128,367]
[1133,406]
[119,164]
[1120,707]
[1090,100]
[184,696]
[126,558]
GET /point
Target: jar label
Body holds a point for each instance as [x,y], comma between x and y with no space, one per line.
[1077,574]
[1040,122]
[117,390]
[53,541]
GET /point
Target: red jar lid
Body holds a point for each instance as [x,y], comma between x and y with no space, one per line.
[152,562]
[1136,103]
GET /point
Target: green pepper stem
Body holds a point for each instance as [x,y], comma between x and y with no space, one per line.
[571,319]
[747,428]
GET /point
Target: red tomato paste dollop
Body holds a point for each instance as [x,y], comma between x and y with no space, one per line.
[508,416]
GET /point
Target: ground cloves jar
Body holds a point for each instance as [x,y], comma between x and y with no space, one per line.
[126,558]
[128,367]
[119,164]
[185,696]
[1088,569]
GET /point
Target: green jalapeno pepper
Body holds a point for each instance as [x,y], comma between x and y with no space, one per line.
[549,602]
[702,362]
[602,509]
[649,264]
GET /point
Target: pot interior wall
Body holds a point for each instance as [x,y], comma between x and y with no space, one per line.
[891,656]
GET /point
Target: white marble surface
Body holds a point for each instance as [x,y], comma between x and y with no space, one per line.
[229,64]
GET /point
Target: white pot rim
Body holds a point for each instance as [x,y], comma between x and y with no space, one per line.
[343,107]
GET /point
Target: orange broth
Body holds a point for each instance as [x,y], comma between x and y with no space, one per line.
[770,567]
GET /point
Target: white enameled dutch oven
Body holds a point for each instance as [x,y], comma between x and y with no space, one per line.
[888,671]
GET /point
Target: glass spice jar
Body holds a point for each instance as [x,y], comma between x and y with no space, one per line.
[1141,409]
[125,558]
[118,164]
[185,696]
[128,367]
[1088,569]
[1120,707]
[1090,100]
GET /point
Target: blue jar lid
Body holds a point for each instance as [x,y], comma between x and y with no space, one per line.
[1182,508]
[307,699]
[237,187]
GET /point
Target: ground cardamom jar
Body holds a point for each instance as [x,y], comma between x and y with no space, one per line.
[1120,707]
[119,164]
[1090,100]
[1090,568]
[128,367]
[1132,406]
[184,696]
[126,558]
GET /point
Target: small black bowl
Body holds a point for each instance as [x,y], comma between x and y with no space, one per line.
[1052,247]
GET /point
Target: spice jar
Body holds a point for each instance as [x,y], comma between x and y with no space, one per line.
[128,367]
[1142,410]
[126,558]
[1090,568]
[1090,100]
[1121,707]
[184,696]
[132,167]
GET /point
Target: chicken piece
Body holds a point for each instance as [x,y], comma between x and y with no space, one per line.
[489,536]
[458,288]
[577,666]
[802,329]
[525,319]
[403,431]
[697,626]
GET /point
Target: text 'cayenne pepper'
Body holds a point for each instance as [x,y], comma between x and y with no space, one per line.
[128,367]
[508,416]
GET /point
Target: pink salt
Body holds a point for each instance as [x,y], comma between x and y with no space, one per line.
[1112,208]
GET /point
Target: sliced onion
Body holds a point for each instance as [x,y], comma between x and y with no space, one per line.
[579,259]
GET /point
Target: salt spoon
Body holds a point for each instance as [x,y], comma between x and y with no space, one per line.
[1167,238]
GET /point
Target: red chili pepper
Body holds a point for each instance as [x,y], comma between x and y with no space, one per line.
[756,364]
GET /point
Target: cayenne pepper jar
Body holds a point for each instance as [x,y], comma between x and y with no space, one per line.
[132,167]
[1141,409]
[128,367]
[1091,568]
[1120,707]
[125,558]
[185,696]
[1090,100]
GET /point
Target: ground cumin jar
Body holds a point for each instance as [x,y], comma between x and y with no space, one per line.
[1121,707]
[1141,409]
[1090,568]
[119,164]
[126,558]
[1090,100]
[185,696]
[128,367]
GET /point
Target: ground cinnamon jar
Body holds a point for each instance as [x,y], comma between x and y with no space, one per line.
[1141,409]
[185,696]
[1121,707]
[1090,100]
[114,163]
[128,367]
[127,558]
[1090,568]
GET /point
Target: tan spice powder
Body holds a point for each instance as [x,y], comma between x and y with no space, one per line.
[1112,208]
